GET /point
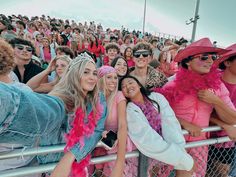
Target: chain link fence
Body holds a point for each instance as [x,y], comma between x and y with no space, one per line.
[214,157]
[216,160]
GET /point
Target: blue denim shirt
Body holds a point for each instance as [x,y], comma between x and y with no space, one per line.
[91,142]
[27,117]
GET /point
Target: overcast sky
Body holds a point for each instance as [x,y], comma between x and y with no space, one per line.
[217,17]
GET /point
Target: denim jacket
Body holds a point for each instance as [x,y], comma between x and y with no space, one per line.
[91,142]
[28,117]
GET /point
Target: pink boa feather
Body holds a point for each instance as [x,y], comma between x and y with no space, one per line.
[189,83]
[77,133]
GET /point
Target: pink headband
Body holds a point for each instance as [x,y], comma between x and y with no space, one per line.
[105,70]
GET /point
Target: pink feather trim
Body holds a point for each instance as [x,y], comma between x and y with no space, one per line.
[189,83]
[76,135]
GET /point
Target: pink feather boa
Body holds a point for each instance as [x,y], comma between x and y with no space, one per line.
[76,135]
[189,83]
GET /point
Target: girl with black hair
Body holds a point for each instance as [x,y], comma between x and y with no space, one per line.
[153,127]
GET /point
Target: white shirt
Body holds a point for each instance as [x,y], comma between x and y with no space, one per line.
[168,148]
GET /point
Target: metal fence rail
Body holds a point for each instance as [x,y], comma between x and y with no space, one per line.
[142,167]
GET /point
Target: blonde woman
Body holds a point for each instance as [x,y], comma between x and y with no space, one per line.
[58,65]
[76,92]
[116,121]
[88,110]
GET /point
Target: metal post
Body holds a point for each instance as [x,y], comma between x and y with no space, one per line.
[142,165]
[144,17]
[196,17]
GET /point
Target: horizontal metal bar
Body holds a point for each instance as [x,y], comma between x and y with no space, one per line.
[207,142]
[34,151]
[206,129]
[59,148]
[49,167]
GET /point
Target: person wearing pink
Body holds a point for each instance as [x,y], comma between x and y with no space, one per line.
[128,54]
[228,65]
[225,151]
[168,68]
[188,96]
[47,52]
[116,122]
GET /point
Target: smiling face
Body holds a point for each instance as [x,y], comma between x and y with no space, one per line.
[200,66]
[23,54]
[128,52]
[121,67]
[131,89]
[142,58]
[111,53]
[45,42]
[89,78]
[111,80]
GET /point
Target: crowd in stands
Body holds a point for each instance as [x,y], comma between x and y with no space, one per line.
[69,82]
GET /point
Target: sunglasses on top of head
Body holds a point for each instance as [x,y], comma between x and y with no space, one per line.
[21,47]
[143,53]
[204,57]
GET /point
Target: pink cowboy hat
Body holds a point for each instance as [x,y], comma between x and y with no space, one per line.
[231,52]
[203,45]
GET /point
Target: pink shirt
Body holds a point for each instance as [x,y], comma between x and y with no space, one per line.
[131,62]
[47,54]
[232,91]
[191,109]
[112,119]
[232,94]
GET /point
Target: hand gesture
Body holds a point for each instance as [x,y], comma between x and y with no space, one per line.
[208,96]
[52,65]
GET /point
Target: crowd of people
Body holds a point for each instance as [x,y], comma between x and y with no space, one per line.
[67,82]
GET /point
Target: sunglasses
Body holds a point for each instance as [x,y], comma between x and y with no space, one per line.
[143,53]
[205,57]
[27,48]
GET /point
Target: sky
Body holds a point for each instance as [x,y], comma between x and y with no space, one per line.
[217,17]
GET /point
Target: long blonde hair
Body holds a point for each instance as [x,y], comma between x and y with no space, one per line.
[103,88]
[69,87]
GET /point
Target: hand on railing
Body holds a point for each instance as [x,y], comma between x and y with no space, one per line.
[194,130]
[231,131]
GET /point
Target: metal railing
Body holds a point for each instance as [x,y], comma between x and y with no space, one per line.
[23,171]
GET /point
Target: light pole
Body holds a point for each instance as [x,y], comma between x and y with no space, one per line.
[144,16]
[194,21]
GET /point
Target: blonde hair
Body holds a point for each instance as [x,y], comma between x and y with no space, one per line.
[64,58]
[103,88]
[69,87]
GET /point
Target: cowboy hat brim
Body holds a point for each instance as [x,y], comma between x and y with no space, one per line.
[194,50]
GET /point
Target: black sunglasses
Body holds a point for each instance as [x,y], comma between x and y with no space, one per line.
[204,57]
[21,47]
[138,54]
